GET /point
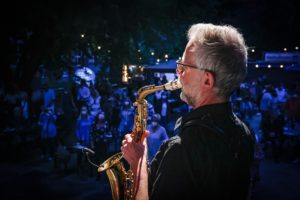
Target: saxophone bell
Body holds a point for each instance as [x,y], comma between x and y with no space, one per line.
[111,161]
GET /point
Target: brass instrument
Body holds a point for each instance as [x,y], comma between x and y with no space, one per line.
[121,181]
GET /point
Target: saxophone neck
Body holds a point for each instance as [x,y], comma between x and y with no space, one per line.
[149,89]
[146,90]
[141,114]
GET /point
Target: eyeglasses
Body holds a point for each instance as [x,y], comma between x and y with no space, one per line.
[180,67]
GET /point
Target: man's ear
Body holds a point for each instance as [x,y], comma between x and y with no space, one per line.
[209,80]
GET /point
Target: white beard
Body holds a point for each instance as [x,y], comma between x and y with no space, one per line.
[187,99]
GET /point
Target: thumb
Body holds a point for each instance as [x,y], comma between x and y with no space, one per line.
[145,135]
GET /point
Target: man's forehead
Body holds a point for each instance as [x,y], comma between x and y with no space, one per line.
[191,46]
[188,55]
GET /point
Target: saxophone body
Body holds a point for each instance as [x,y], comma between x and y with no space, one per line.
[122,181]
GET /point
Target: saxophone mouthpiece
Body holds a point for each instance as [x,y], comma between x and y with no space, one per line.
[173,85]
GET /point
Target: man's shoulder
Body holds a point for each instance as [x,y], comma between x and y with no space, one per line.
[200,125]
[173,141]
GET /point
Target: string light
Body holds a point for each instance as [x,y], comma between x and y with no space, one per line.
[269,66]
[253,50]
[285,49]
[281,66]
[152,53]
[256,66]
[166,56]
[99,47]
[297,48]
[124,74]
[82,35]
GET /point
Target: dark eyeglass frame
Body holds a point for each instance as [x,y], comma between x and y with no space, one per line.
[191,66]
[179,70]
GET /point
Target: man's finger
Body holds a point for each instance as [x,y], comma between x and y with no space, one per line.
[145,135]
[128,137]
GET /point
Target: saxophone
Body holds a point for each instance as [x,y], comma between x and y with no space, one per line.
[122,181]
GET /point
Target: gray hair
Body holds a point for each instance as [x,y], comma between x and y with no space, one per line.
[221,50]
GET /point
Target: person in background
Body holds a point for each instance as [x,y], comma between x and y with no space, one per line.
[246,103]
[47,122]
[151,111]
[162,107]
[84,139]
[24,105]
[158,135]
[94,102]
[69,112]
[101,137]
[36,103]
[259,155]
[126,117]
[266,109]
[48,96]
[83,127]
[83,94]
[281,95]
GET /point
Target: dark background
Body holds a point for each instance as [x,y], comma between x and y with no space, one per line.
[48,33]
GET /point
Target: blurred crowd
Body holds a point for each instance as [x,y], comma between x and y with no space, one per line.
[98,115]
[61,120]
[272,111]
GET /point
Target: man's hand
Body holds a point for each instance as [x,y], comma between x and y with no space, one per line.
[136,155]
[132,151]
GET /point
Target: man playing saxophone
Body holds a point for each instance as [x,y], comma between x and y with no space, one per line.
[211,154]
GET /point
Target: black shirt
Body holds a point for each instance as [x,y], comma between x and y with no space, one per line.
[210,158]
